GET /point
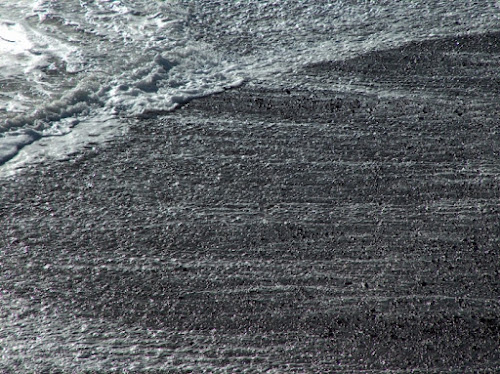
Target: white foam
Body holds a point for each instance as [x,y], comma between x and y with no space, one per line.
[13,41]
[10,145]
[107,58]
[92,131]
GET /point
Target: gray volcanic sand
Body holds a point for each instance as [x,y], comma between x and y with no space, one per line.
[291,228]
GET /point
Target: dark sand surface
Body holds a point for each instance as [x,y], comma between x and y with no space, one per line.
[273,229]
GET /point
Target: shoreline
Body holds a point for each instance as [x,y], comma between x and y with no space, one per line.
[267,228]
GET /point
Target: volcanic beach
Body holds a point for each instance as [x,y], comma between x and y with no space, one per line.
[292,227]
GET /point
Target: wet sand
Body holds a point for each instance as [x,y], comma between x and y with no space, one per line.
[292,228]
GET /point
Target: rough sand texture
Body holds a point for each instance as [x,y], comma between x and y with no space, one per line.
[288,229]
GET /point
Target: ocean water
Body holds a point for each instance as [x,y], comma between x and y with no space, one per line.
[81,66]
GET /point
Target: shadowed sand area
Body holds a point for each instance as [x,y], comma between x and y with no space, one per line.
[297,228]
